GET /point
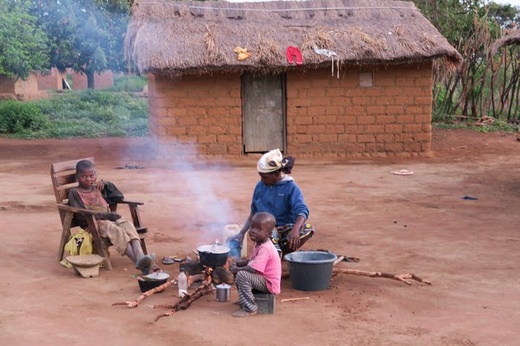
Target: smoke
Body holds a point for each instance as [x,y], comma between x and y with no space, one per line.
[205,211]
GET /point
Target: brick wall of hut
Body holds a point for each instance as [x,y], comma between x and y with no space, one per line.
[51,80]
[17,88]
[102,80]
[326,116]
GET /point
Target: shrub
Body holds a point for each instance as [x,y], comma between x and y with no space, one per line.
[21,117]
[129,83]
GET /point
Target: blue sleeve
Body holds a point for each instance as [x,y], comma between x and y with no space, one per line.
[256,193]
[298,205]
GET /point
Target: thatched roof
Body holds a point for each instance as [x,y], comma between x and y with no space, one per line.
[187,37]
[509,39]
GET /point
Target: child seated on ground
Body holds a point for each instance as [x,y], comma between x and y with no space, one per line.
[262,271]
[122,233]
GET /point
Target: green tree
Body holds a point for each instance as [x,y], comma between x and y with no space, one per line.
[85,35]
[23,45]
[477,87]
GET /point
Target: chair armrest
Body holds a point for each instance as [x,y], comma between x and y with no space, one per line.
[130,202]
[76,210]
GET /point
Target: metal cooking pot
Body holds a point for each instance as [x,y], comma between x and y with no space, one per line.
[213,255]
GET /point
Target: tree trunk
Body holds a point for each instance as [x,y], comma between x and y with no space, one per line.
[90,79]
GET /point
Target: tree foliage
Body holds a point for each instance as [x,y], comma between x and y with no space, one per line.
[23,44]
[487,82]
[85,35]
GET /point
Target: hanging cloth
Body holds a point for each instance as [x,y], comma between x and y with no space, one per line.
[242,53]
[329,54]
[293,53]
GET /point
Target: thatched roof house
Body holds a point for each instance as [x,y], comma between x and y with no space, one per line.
[512,38]
[354,38]
[199,37]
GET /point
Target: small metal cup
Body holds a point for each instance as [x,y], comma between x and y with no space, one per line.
[223,293]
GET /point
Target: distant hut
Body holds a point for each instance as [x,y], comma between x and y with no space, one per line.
[229,76]
[512,38]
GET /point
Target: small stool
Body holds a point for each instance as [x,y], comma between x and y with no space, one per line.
[86,265]
[265,302]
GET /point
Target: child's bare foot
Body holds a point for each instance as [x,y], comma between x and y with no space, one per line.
[244,313]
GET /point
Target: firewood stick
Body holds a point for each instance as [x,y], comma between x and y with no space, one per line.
[135,303]
[294,299]
[339,260]
[399,277]
[187,300]
[195,278]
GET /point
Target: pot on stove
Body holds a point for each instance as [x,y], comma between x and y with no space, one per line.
[213,255]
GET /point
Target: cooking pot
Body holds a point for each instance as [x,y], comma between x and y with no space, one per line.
[223,292]
[213,255]
[147,282]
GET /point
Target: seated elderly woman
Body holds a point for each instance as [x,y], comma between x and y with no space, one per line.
[277,194]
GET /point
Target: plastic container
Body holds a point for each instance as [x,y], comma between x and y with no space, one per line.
[265,302]
[237,250]
[182,284]
[310,270]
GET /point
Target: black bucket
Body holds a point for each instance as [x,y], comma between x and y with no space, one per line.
[310,270]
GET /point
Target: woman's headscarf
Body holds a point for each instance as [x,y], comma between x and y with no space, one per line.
[270,162]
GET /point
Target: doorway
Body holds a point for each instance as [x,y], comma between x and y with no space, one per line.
[263,112]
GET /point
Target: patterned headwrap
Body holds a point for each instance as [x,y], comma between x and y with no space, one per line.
[270,162]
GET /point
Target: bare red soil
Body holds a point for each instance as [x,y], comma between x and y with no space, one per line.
[419,224]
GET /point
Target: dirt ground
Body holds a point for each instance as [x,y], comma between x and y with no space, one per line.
[419,224]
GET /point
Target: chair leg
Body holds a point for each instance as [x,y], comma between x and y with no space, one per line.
[65,234]
[98,242]
[143,246]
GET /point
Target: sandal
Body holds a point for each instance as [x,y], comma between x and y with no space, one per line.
[167,260]
[244,313]
[173,259]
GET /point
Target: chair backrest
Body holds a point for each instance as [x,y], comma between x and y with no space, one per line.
[63,176]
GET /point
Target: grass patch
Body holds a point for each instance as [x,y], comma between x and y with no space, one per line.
[129,83]
[84,113]
[452,122]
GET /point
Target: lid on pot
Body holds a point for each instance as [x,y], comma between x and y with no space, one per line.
[223,286]
[157,276]
[216,249]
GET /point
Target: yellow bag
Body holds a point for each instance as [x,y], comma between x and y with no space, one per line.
[79,243]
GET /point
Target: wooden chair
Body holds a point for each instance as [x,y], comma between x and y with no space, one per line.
[63,176]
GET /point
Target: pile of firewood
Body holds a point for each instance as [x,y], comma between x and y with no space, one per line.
[207,277]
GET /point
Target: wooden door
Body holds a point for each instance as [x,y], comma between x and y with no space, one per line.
[263,112]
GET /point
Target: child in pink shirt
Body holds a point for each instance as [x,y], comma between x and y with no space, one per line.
[262,271]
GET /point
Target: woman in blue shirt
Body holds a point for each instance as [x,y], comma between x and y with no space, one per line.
[277,193]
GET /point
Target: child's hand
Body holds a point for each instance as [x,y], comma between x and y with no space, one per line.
[100,185]
[108,216]
[233,268]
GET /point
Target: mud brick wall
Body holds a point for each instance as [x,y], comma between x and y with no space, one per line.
[6,85]
[51,80]
[101,80]
[20,89]
[202,110]
[326,116]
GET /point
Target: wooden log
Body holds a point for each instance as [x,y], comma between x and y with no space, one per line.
[399,277]
[338,260]
[187,300]
[294,299]
[222,275]
[135,303]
